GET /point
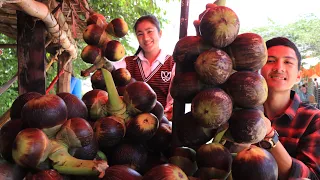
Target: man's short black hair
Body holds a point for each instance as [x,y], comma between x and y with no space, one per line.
[282,41]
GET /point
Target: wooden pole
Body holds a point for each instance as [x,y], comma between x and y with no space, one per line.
[178,106]
[64,80]
[184,16]
[8,45]
[31,54]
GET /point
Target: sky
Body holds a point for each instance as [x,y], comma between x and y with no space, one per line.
[251,13]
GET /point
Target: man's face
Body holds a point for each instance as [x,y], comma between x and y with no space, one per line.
[281,70]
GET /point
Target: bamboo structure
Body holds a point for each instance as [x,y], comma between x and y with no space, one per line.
[41,11]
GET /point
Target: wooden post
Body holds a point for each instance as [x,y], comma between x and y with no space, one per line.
[64,80]
[31,54]
[178,106]
[184,17]
[8,46]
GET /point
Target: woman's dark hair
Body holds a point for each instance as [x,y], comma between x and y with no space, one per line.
[152,19]
[282,41]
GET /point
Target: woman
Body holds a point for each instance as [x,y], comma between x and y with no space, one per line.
[151,64]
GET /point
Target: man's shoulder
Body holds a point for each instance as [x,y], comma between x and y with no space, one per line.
[308,108]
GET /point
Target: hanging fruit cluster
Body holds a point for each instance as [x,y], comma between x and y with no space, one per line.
[217,72]
[102,48]
[62,135]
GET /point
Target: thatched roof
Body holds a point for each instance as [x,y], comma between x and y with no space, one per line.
[74,11]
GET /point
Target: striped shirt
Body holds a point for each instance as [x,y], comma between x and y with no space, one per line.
[299,132]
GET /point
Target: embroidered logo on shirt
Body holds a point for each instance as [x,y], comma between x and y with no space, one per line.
[166,76]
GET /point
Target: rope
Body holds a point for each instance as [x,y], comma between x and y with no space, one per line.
[54,59]
[7,85]
[48,42]
[5,117]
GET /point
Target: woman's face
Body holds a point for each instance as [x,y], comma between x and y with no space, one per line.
[148,36]
[281,70]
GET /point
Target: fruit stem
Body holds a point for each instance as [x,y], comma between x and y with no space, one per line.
[115,105]
[220,2]
[99,64]
[101,155]
[64,163]
[221,131]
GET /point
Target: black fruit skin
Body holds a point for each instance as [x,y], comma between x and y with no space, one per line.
[127,153]
[75,106]
[190,133]
[44,112]
[92,34]
[187,50]
[213,66]
[165,171]
[92,99]
[87,152]
[109,131]
[185,86]
[247,89]
[97,80]
[97,19]
[161,141]
[49,174]
[133,96]
[212,107]
[121,77]
[258,164]
[210,27]
[91,54]
[248,52]
[8,132]
[214,155]
[247,126]
[11,171]
[158,110]
[121,172]
[19,102]
[139,131]
[113,48]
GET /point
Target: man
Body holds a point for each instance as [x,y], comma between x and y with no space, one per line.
[303,93]
[292,127]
